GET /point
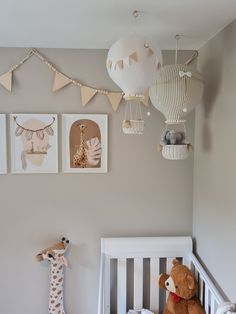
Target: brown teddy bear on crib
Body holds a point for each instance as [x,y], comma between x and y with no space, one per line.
[182,287]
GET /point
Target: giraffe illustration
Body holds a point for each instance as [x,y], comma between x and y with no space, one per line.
[80,159]
[55,255]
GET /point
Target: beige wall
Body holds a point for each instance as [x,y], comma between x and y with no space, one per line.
[214,220]
[141,195]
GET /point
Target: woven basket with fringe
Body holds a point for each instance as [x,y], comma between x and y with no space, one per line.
[175,152]
[133,126]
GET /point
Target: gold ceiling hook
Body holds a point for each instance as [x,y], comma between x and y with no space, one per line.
[177,36]
[136,14]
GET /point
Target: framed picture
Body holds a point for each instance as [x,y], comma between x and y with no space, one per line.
[34,143]
[84,143]
[3,145]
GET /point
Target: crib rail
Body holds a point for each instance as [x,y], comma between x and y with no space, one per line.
[207,292]
[123,273]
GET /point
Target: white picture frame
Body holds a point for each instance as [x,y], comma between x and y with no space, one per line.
[3,144]
[34,152]
[95,146]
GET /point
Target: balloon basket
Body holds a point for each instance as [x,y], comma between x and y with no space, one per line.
[135,127]
[133,122]
[175,152]
[173,144]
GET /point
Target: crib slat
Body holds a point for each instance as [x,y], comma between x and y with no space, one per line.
[186,261]
[107,285]
[206,300]
[192,267]
[201,292]
[213,305]
[169,264]
[154,289]
[197,279]
[138,283]
[121,285]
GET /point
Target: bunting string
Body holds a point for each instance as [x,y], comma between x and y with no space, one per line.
[61,80]
[29,132]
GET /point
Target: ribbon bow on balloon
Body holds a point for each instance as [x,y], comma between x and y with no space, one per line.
[182,74]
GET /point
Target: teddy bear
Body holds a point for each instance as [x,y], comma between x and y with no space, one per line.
[182,286]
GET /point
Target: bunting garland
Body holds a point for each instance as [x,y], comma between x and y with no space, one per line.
[39,132]
[61,80]
[126,62]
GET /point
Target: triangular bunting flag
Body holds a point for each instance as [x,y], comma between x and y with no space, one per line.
[113,65]
[126,61]
[150,52]
[6,80]
[158,66]
[145,101]
[133,56]
[157,63]
[87,94]
[109,64]
[60,81]
[120,64]
[115,99]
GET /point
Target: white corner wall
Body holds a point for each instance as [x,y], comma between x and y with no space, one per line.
[214,213]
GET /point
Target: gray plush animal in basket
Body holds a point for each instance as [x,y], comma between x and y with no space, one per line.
[172,137]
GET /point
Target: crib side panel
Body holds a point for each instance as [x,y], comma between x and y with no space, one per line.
[208,294]
[138,249]
[132,292]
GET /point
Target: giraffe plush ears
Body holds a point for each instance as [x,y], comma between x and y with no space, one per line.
[50,252]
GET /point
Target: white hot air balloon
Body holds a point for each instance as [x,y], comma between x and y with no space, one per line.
[177,91]
[133,63]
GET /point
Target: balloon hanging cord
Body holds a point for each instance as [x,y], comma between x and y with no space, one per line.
[177,38]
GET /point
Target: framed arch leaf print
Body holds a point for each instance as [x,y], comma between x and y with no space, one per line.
[34,143]
[84,139]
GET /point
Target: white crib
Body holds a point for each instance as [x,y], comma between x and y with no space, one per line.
[130,268]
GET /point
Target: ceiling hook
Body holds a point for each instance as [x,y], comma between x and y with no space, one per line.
[136,14]
[177,36]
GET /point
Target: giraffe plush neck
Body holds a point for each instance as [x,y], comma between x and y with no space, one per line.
[55,255]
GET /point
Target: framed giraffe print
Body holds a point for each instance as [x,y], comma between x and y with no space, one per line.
[84,145]
[3,146]
[34,143]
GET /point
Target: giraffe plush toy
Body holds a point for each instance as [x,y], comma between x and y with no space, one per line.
[55,255]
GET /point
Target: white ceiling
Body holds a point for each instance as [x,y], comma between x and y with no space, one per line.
[98,23]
